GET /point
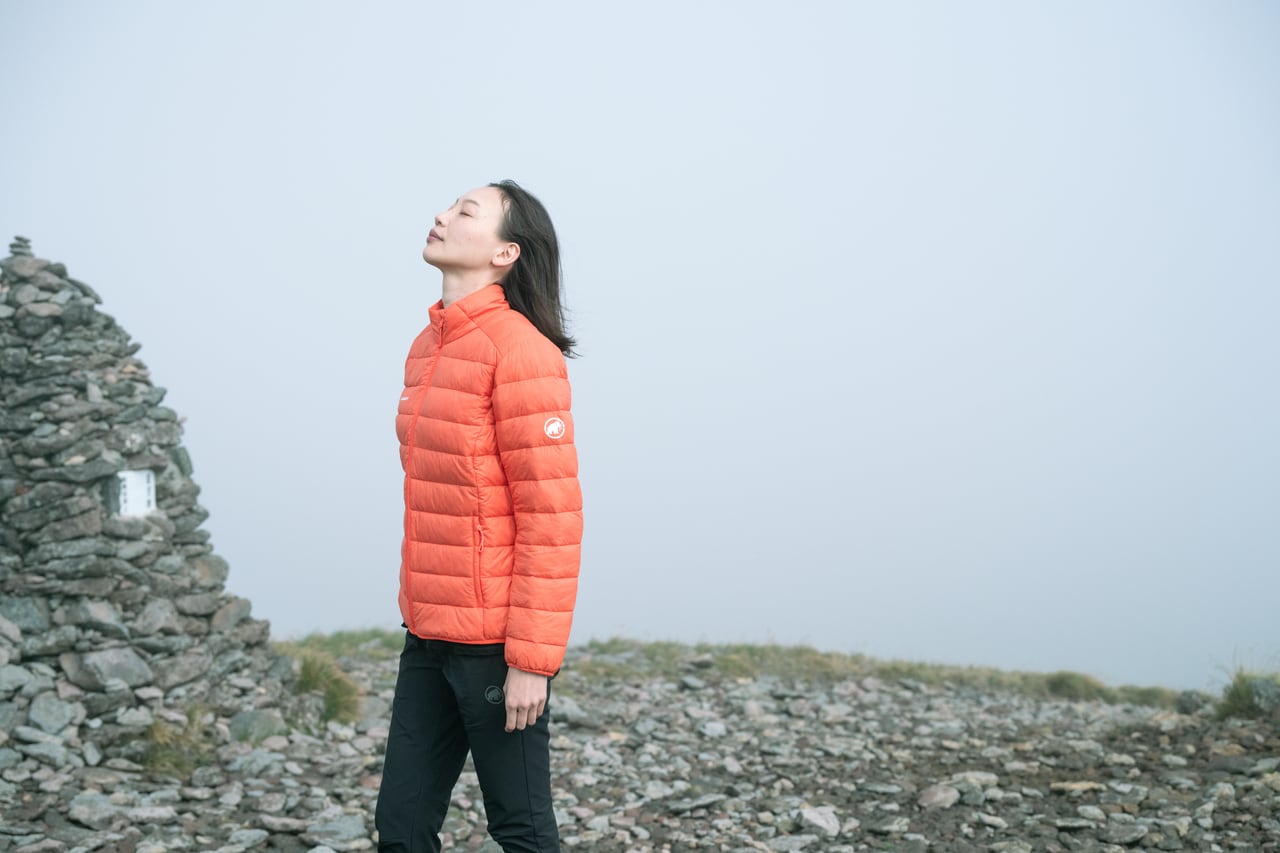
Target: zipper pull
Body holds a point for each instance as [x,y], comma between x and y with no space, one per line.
[480,530]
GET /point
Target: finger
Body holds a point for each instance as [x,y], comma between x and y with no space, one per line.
[511,718]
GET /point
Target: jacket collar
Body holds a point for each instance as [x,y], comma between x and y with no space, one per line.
[461,315]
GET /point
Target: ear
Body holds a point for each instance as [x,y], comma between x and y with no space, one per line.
[506,256]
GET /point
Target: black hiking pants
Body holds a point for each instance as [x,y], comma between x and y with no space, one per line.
[449,701]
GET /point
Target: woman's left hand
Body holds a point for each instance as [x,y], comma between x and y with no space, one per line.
[526,694]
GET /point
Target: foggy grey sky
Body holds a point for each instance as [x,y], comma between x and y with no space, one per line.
[925,330]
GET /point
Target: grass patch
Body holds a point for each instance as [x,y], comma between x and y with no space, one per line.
[620,659]
[1238,698]
[174,750]
[319,673]
[799,662]
[320,670]
[1074,686]
[369,644]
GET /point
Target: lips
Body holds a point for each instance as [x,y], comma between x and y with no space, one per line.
[433,235]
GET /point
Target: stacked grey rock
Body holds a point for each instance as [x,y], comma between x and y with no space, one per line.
[107,622]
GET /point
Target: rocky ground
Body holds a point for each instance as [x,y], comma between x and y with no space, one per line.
[695,761]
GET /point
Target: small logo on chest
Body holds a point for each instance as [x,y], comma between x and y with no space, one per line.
[554,428]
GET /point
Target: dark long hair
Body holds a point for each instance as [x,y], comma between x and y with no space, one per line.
[532,285]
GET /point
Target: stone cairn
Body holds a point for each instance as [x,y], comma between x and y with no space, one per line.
[109,623]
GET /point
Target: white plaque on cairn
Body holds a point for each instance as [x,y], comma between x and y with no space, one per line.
[137,493]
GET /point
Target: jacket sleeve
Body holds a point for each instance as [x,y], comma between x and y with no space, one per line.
[534,430]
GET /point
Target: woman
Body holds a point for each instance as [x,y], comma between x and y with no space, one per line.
[493,522]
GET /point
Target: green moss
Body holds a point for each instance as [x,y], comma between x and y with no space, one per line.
[1074,686]
[319,673]
[1155,697]
[1237,696]
[368,644]
[619,659]
[175,750]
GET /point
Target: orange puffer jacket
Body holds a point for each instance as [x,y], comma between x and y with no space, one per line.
[493,511]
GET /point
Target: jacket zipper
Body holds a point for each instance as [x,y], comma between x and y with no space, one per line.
[413,431]
[479,563]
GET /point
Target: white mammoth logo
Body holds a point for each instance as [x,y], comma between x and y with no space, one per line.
[554,428]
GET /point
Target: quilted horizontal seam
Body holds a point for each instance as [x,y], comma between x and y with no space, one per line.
[465,359]
[438,419]
[543,480]
[541,377]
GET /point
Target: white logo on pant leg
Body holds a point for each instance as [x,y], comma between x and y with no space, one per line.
[554,428]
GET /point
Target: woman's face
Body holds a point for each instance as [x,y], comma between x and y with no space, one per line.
[465,236]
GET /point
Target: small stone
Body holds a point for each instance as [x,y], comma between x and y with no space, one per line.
[1265,693]
[198,604]
[159,616]
[821,818]
[255,763]
[1016,846]
[94,810]
[152,814]
[1123,833]
[93,670]
[938,797]
[255,726]
[702,802]
[13,678]
[976,778]
[27,734]
[25,613]
[51,714]
[1073,787]
[248,839]
[656,789]
[52,754]
[135,717]
[275,823]
[713,729]
[230,614]
[1191,701]
[344,832]
[181,669]
[100,616]
[1092,813]
[890,827]
[882,788]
